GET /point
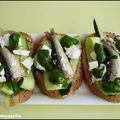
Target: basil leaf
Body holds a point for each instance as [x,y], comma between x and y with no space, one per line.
[44,59]
[68,41]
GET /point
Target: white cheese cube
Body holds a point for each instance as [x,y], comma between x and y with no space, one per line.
[93,64]
[73,52]
[4,40]
[2,78]
[21,52]
[27,63]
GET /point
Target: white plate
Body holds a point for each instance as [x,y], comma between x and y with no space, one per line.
[82,96]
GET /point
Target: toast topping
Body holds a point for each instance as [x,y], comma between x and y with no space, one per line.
[14,56]
[105,65]
[106,76]
[62,54]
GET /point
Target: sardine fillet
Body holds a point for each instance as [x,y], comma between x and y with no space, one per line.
[65,65]
[16,69]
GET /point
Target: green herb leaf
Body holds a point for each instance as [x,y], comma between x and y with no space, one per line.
[57,77]
[68,41]
[100,53]
[16,88]
[44,59]
[111,87]
[14,40]
[96,28]
[97,72]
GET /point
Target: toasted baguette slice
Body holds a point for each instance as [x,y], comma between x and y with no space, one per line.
[92,86]
[25,94]
[55,93]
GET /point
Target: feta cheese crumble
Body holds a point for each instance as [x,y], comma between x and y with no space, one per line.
[21,52]
[27,63]
[4,40]
[93,64]
[73,52]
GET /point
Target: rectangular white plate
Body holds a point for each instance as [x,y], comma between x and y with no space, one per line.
[81,97]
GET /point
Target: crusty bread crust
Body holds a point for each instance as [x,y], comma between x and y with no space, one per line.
[55,93]
[25,94]
[92,86]
[21,97]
